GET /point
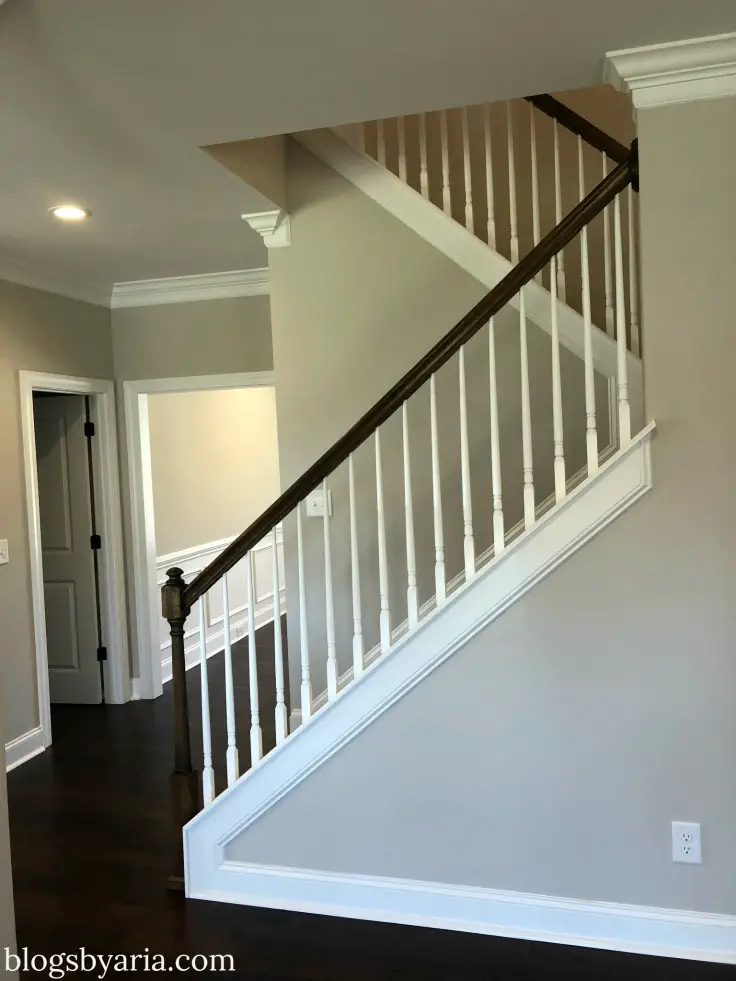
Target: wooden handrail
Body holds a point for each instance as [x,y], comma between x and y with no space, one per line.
[413,380]
[580,126]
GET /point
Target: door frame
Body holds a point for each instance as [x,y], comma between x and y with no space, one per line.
[143,575]
[116,670]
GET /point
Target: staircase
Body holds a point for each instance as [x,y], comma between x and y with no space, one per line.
[559,471]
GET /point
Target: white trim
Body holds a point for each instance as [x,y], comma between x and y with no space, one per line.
[549,919]
[455,583]
[142,572]
[679,71]
[53,281]
[274,227]
[184,289]
[591,507]
[192,561]
[468,252]
[107,493]
[24,748]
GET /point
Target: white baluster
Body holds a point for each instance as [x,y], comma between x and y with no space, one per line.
[358,663]
[633,287]
[499,535]
[439,539]
[591,432]
[489,177]
[512,184]
[446,197]
[385,616]
[231,754]
[535,178]
[607,270]
[381,142]
[561,290]
[401,139]
[329,601]
[469,224]
[468,538]
[256,736]
[412,602]
[306,689]
[624,410]
[557,426]
[423,173]
[280,712]
[208,773]
[526,420]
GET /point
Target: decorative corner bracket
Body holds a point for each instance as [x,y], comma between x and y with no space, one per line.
[274,227]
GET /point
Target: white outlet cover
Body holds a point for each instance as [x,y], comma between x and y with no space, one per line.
[4,556]
[314,504]
[686,846]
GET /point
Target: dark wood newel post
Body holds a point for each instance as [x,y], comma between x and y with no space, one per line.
[185,798]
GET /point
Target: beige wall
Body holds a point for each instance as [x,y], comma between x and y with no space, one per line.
[600,707]
[41,332]
[209,337]
[212,478]
[357,299]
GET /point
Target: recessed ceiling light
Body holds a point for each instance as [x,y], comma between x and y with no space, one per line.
[69,212]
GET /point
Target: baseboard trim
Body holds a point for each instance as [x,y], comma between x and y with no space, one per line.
[549,919]
[24,748]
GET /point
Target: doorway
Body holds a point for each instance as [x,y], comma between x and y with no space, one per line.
[75,541]
[70,545]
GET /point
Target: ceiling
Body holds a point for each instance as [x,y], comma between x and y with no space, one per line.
[107,103]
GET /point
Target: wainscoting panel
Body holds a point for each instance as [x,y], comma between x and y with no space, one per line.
[192,561]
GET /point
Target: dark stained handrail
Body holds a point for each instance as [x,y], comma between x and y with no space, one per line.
[491,304]
[580,126]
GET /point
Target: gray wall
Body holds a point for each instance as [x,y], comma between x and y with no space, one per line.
[601,706]
[357,299]
[208,337]
[40,332]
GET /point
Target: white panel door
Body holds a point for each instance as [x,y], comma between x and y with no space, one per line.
[68,562]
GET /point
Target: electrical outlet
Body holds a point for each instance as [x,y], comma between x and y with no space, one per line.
[4,558]
[314,504]
[686,843]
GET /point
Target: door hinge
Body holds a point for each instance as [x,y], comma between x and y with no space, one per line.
[89,429]
[101,653]
[95,543]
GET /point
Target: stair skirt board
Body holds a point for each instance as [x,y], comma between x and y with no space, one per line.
[593,505]
[468,252]
[548,919]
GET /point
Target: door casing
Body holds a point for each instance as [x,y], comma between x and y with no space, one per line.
[109,525]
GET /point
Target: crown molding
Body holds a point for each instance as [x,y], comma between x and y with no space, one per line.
[184,289]
[52,281]
[681,71]
[274,227]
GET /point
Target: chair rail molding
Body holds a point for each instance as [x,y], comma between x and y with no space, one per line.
[680,71]
[274,227]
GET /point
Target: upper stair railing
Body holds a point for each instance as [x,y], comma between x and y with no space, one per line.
[509,172]
[502,310]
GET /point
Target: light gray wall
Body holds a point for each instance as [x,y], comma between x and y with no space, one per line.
[39,331]
[357,299]
[599,708]
[208,337]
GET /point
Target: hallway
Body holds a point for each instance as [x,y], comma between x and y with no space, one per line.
[91,843]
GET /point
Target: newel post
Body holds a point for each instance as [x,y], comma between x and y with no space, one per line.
[184,780]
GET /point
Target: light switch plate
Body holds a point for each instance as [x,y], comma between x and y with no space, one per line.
[314,504]
[4,556]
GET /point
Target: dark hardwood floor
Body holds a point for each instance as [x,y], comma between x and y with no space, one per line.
[91,851]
